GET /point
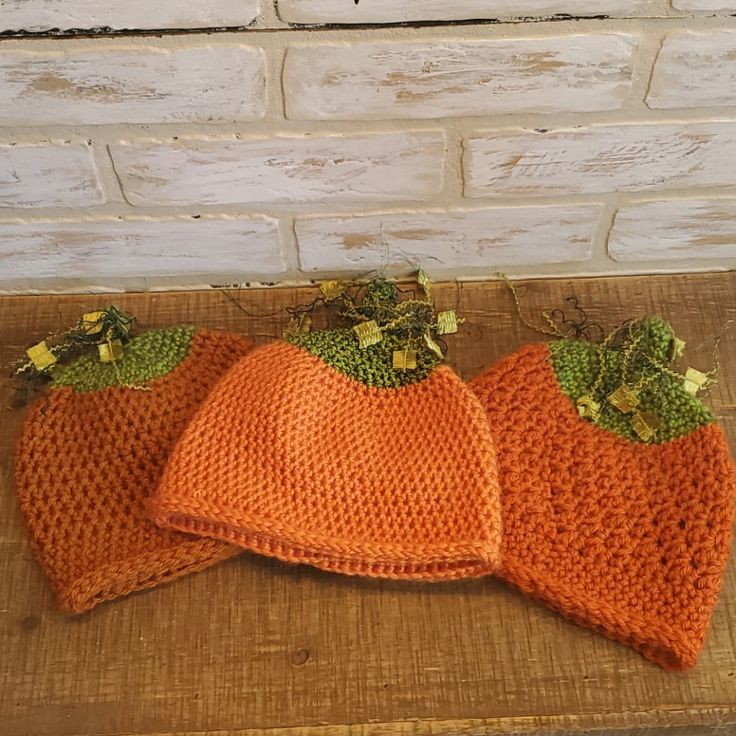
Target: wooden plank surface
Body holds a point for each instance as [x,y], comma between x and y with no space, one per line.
[254,646]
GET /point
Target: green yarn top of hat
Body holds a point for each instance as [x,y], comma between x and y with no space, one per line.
[576,364]
[396,339]
[150,355]
[372,365]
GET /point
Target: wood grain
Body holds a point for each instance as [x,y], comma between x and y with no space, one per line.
[257,647]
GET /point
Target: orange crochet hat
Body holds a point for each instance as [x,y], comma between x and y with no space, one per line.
[627,537]
[92,451]
[350,466]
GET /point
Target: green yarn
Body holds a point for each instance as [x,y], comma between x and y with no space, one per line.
[150,355]
[575,363]
[372,366]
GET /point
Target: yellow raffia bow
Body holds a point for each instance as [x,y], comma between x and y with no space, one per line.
[447,322]
[405,360]
[41,357]
[369,333]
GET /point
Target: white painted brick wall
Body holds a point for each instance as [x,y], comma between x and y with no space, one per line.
[53,175]
[695,70]
[465,239]
[681,230]
[44,15]
[138,253]
[118,82]
[445,77]
[393,11]
[724,6]
[349,168]
[545,148]
[600,159]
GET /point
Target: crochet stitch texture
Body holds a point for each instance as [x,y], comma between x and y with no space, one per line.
[290,458]
[86,462]
[626,538]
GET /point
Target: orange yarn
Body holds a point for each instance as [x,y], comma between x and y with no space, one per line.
[86,462]
[290,458]
[629,539]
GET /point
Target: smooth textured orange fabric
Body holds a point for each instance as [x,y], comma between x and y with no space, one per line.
[85,464]
[290,458]
[629,539]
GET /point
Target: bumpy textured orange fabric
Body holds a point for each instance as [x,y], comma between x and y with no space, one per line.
[629,539]
[85,465]
[292,459]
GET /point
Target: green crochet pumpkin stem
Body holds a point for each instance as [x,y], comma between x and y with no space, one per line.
[150,355]
[576,365]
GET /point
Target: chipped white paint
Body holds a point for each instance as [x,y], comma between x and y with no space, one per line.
[679,229]
[137,253]
[48,176]
[601,158]
[695,70]
[44,15]
[705,5]
[120,83]
[440,78]
[396,11]
[483,238]
[349,168]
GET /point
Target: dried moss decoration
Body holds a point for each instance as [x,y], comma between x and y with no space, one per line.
[391,341]
[640,357]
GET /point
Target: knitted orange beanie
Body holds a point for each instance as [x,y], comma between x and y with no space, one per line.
[92,451]
[291,457]
[630,539]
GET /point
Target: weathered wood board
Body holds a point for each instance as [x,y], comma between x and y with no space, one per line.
[255,647]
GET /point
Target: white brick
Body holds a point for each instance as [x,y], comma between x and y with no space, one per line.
[349,168]
[137,253]
[48,176]
[675,230]
[705,5]
[395,11]
[605,158]
[117,83]
[441,78]
[43,15]
[695,70]
[460,239]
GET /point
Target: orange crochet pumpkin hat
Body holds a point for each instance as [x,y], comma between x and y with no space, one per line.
[627,537]
[321,452]
[92,451]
